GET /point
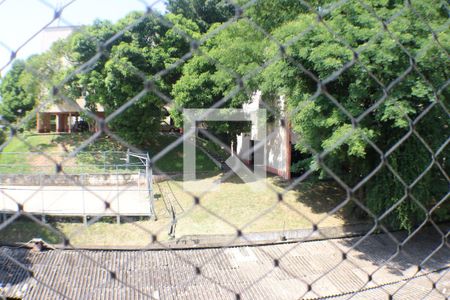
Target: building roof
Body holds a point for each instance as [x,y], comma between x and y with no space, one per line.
[66,107]
[279,271]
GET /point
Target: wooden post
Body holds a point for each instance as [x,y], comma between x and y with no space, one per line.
[58,122]
[42,122]
[38,122]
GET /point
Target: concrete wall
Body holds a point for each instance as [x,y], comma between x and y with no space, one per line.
[253,105]
[70,180]
[277,150]
[243,147]
[279,135]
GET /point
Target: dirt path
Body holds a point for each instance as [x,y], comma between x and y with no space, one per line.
[56,153]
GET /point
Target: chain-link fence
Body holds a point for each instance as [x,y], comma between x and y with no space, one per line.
[101,162]
[227,149]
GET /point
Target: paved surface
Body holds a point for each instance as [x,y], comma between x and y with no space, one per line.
[281,271]
[75,200]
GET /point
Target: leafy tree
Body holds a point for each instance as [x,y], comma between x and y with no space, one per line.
[146,47]
[235,51]
[29,82]
[18,93]
[203,12]
[83,46]
[3,133]
[272,14]
[324,126]
[353,54]
[217,72]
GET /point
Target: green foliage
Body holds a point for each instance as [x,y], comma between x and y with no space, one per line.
[2,136]
[409,161]
[203,12]
[215,71]
[326,122]
[144,49]
[364,67]
[17,92]
[272,14]
[28,83]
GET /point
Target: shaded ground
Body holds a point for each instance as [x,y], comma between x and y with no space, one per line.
[371,269]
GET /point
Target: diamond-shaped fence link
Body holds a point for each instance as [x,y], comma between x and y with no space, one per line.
[318,132]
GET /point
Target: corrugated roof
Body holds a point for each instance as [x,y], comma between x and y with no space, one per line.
[280,271]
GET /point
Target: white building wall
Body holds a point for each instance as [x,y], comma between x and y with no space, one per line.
[253,105]
[278,138]
[243,147]
[276,149]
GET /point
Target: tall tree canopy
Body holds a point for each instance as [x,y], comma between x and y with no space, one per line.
[351,50]
[29,81]
[271,14]
[323,126]
[18,93]
[379,80]
[203,12]
[144,49]
[218,72]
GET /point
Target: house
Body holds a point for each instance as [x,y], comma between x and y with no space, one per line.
[279,142]
[65,117]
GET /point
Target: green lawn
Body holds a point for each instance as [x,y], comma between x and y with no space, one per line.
[173,160]
[102,155]
[213,148]
[222,210]
[11,161]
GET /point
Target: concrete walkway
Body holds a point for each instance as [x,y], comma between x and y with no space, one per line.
[75,200]
[308,270]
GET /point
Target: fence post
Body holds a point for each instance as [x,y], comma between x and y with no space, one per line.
[42,198]
[104,162]
[148,176]
[127,160]
[117,196]
[4,207]
[82,199]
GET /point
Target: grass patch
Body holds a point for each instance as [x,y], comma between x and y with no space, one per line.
[23,230]
[213,148]
[103,155]
[30,143]
[172,161]
[13,159]
[251,210]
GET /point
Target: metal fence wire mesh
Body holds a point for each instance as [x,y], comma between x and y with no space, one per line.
[339,188]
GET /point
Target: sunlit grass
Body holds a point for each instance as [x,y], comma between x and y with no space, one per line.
[241,206]
[103,155]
